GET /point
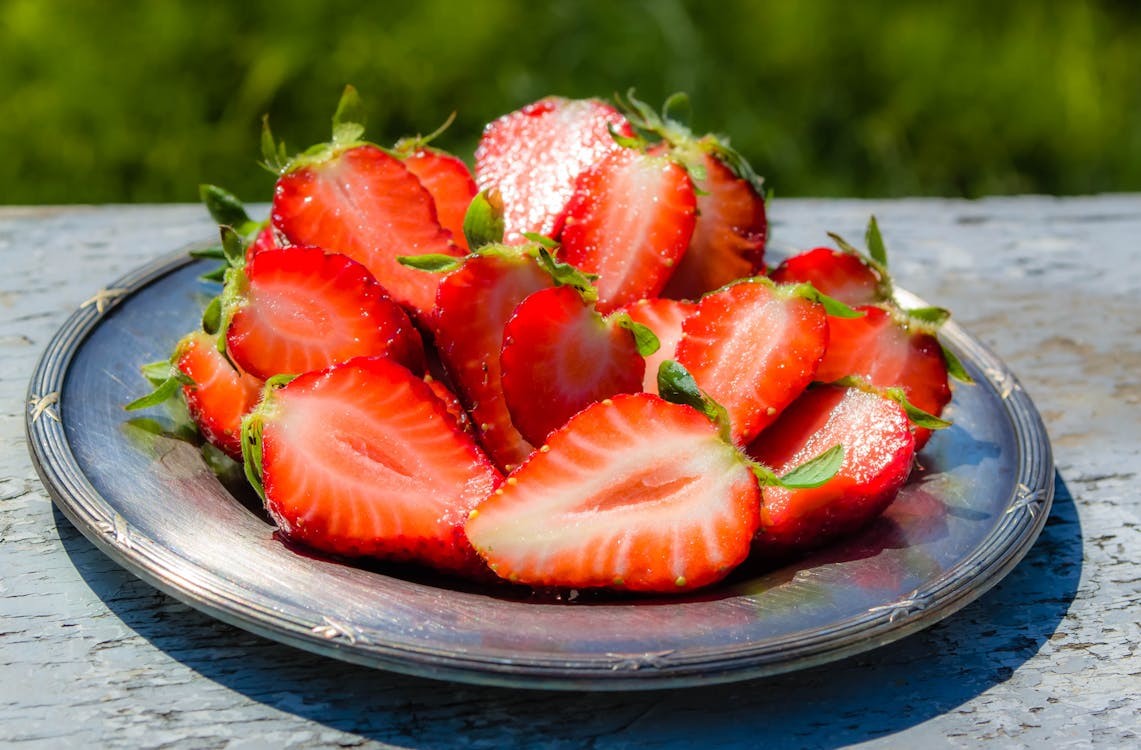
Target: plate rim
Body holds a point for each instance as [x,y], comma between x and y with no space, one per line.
[966,580]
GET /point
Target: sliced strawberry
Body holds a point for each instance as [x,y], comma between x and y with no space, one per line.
[754,347]
[878,454]
[889,352]
[296,309]
[365,203]
[218,395]
[473,305]
[729,235]
[452,403]
[629,221]
[450,182]
[632,493]
[532,156]
[664,317]
[361,459]
[842,275]
[559,356]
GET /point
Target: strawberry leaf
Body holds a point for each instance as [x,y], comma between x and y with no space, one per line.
[252,426]
[224,207]
[167,381]
[874,240]
[644,338]
[348,119]
[915,415]
[274,156]
[483,222]
[677,386]
[929,316]
[816,471]
[212,316]
[233,247]
[955,367]
[434,262]
[832,306]
[564,274]
[541,240]
[214,252]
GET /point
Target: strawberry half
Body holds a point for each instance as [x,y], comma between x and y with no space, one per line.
[296,309]
[729,235]
[559,356]
[889,350]
[354,198]
[632,493]
[878,456]
[629,221]
[533,155]
[841,275]
[449,181]
[361,459]
[754,347]
[473,305]
[665,318]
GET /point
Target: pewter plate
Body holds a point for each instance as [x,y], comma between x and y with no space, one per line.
[148,499]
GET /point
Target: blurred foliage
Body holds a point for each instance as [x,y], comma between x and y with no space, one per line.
[141,101]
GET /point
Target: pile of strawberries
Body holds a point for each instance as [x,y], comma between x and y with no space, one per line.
[570,370]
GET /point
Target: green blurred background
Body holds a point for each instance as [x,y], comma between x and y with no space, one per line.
[141,101]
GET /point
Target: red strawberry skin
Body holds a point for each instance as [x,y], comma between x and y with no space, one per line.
[361,459]
[753,348]
[302,309]
[473,306]
[559,356]
[451,184]
[665,318]
[629,220]
[220,395]
[840,275]
[878,454]
[633,493]
[533,155]
[265,240]
[885,353]
[728,237]
[366,204]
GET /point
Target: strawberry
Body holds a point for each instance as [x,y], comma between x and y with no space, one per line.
[729,235]
[533,155]
[361,459]
[298,308]
[354,198]
[879,451]
[217,395]
[890,350]
[265,239]
[473,305]
[664,317]
[451,403]
[445,176]
[629,220]
[753,347]
[632,493]
[838,274]
[559,356]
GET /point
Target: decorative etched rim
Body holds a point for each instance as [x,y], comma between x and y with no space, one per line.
[206,590]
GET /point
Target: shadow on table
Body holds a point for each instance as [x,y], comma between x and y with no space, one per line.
[875,694]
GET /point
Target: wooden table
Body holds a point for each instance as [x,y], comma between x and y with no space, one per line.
[90,656]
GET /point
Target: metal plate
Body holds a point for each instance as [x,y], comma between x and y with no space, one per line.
[969,514]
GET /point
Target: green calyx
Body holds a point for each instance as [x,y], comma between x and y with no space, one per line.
[811,473]
[348,132]
[252,426]
[915,415]
[676,385]
[483,221]
[166,380]
[408,146]
[645,339]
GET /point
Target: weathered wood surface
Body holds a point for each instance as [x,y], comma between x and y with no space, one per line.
[91,656]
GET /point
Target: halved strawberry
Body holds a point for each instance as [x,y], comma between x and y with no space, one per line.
[632,493]
[473,305]
[878,456]
[754,347]
[629,221]
[452,403]
[265,239]
[533,155]
[559,356]
[354,198]
[296,309]
[729,235]
[839,274]
[449,181]
[889,350]
[664,317]
[361,459]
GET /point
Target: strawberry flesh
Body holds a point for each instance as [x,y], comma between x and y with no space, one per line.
[533,155]
[753,348]
[452,187]
[665,318]
[878,455]
[629,220]
[301,309]
[559,356]
[366,204]
[220,395]
[632,493]
[361,459]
